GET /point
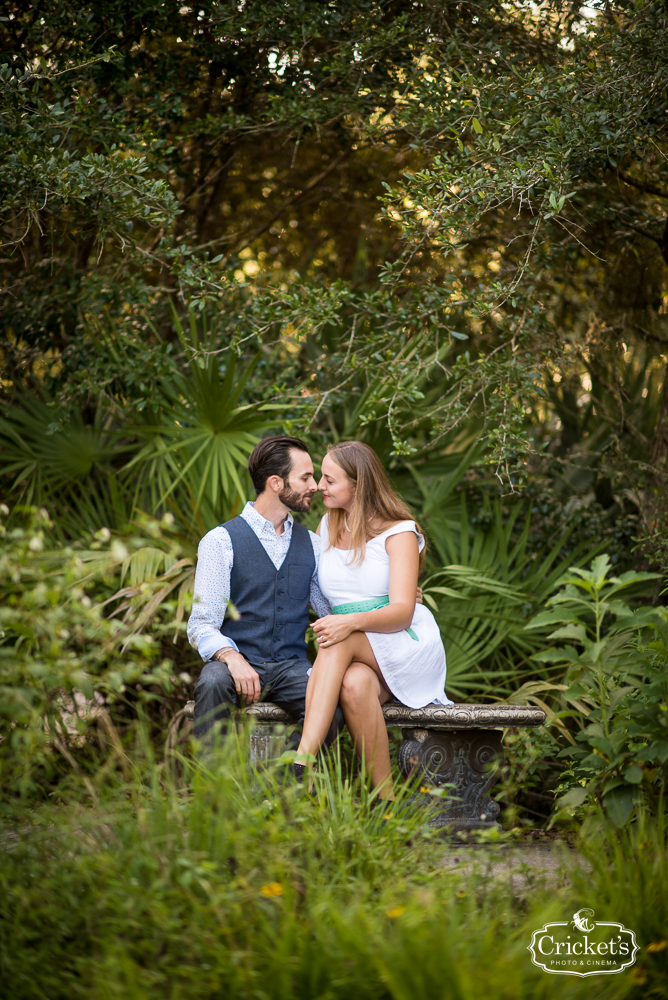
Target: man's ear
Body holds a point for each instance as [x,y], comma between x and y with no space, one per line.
[275,484]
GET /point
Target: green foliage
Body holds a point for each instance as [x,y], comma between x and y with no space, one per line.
[242,887]
[616,664]
[60,658]
[496,575]
[442,232]
[201,436]
[627,869]
[236,154]
[184,450]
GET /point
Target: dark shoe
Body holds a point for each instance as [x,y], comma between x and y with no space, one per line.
[296,771]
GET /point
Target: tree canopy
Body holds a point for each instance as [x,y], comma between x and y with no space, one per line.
[433,220]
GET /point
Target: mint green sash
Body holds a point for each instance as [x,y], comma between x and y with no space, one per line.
[372,605]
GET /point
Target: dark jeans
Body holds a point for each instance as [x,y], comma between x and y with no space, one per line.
[283,683]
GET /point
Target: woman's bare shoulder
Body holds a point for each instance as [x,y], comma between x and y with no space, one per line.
[381,527]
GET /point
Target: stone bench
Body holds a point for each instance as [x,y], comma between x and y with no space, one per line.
[441,745]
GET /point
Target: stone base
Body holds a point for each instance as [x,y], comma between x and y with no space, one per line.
[460,762]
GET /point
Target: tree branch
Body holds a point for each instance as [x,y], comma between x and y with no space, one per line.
[641,185]
[649,336]
[286,204]
[661,241]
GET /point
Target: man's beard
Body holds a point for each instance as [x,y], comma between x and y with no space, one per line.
[299,502]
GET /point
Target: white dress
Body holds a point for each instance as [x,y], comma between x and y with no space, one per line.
[413,671]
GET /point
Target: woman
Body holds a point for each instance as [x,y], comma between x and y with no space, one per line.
[377,644]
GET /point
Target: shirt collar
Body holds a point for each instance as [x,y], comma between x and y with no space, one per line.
[262,525]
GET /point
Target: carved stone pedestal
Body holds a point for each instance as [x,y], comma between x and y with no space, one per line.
[267,735]
[454,747]
[461,761]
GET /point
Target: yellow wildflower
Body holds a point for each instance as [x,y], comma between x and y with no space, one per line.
[271,890]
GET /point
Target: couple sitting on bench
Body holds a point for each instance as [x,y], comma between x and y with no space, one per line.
[358,572]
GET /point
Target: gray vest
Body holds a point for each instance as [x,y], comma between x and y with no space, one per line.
[273,604]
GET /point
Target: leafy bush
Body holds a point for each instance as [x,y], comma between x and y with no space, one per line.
[617,686]
[185,451]
[61,660]
[486,577]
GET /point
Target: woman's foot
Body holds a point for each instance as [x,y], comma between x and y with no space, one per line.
[297,771]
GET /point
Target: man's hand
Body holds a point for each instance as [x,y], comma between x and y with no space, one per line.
[246,680]
[418,599]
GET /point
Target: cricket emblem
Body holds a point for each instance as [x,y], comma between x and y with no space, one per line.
[581,922]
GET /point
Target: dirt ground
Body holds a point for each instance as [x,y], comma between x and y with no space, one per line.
[522,864]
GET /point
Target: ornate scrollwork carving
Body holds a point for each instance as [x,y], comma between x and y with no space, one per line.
[463,761]
[265,711]
[463,716]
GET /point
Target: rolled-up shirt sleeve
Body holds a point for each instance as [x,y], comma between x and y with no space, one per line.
[317,599]
[211,596]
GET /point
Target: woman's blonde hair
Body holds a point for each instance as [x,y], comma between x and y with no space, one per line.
[374,498]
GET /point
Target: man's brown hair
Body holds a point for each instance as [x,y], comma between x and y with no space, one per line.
[271,457]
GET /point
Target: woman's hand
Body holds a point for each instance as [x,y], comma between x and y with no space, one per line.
[333,628]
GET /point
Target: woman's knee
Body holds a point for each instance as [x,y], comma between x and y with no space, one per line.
[360,685]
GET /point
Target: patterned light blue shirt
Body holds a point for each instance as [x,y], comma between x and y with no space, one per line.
[215,557]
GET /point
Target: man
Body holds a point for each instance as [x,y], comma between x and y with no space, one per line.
[266,564]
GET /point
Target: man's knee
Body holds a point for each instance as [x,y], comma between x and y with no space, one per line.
[214,693]
[215,685]
[286,685]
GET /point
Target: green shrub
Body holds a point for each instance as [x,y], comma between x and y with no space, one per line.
[61,661]
[616,687]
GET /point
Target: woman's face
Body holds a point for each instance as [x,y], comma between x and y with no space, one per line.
[337,490]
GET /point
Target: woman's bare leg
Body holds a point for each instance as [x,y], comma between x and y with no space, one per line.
[362,694]
[324,686]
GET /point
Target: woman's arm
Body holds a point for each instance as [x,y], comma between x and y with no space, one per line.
[398,614]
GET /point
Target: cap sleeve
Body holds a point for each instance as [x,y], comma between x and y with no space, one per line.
[403,526]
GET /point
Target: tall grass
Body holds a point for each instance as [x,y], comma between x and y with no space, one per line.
[231,884]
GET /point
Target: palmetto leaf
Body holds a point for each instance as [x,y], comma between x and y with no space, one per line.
[141,600]
[45,460]
[487,585]
[186,453]
[200,439]
[530,694]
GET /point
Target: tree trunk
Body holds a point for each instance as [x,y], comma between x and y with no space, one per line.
[655,494]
